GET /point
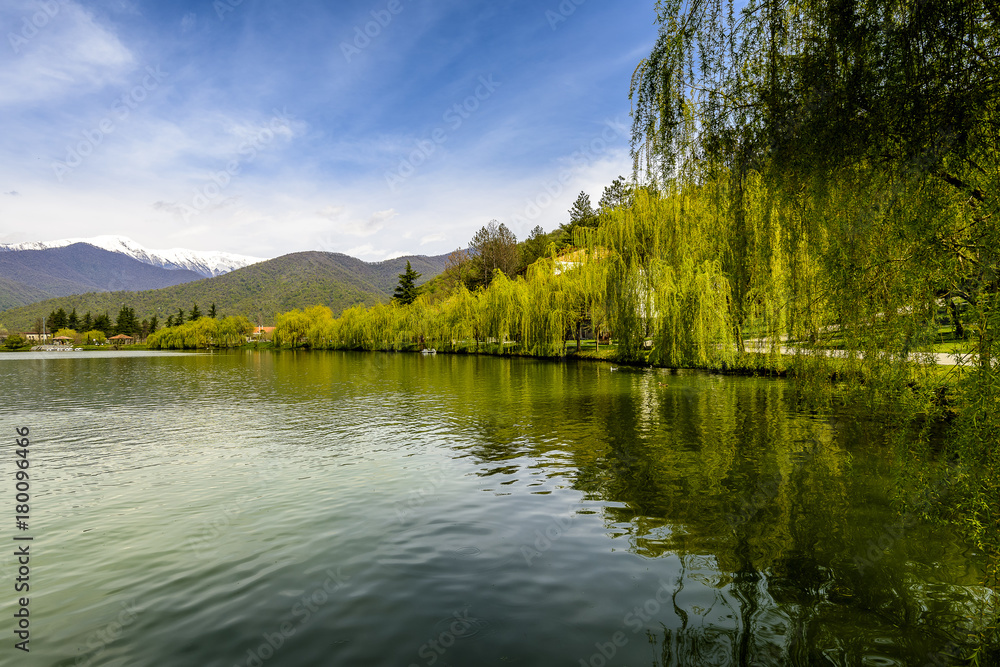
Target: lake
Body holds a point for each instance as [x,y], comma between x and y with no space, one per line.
[257,508]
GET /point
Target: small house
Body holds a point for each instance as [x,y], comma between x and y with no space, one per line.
[260,334]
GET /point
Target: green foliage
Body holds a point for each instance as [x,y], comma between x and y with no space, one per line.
[102,323]
[277,285]
[533,248]
[618,195]
[127,323]
[57,319]
[94,337]
[850,151]
[582,213]
[205,332]
[492,249]
[406,291]
[15,341]
[14,294]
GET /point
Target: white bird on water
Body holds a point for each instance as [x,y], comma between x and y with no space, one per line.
[614,368]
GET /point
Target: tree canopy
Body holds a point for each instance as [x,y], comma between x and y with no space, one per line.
[406,291]
[493,248]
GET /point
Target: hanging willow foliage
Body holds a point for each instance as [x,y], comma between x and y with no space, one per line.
[202,333]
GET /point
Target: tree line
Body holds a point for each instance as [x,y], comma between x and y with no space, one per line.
[96,329]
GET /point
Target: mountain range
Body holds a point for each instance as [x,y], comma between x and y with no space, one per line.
[33,275]
[257,291]
[205,263]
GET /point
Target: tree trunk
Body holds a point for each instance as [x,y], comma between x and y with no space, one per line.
[959,329]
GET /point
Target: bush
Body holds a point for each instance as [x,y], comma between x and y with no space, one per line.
[14,341]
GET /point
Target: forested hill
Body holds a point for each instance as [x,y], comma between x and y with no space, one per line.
[292,281]
[14,293]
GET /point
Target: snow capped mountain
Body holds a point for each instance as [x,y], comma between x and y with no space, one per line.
[206,263]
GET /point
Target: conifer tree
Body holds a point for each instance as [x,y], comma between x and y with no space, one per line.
[406,291]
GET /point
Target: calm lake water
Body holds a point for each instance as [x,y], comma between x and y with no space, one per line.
[251,509]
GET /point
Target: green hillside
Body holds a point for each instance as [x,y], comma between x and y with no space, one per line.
[292,281]
[14,294]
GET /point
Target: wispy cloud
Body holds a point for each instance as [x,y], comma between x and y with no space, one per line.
[70,54]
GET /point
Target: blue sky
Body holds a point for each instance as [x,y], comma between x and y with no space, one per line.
[373,128]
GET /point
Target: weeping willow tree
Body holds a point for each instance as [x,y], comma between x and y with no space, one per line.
[548,306]
[502,311]
[879,117]
[859,139]
[202,333]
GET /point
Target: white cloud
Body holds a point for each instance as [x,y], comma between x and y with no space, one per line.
[331,212]
[366,250]
[57,52]
[432,238]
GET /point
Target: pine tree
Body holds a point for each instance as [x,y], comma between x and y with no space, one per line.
[195,313]
[127,323]
[57,320]
[102,323]
[73,322]
[170,321]
[582,213]
[406,291]
[532,248]
[179,320]
[211,311]
[154,324]
[616,196]
[87,322]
